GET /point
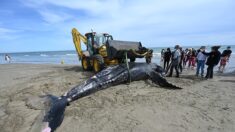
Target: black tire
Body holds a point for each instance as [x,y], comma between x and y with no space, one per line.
[148,60]
[100,61]
[132,59]
[120,61]
[88,67]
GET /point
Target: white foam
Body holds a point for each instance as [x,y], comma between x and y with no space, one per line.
[156,54]
[43,55]
[71,54]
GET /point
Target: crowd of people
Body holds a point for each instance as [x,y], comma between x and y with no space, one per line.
[190,58]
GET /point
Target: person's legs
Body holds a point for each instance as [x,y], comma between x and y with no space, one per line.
[193,62]
[167,63]
[171,71]
[219,68]
[184,63]
[177,71]
[198,67]
[223,62]
[164,65]
[222,68]
[207,71]
[202,67]
[180,66]
[189,62]
[212,71]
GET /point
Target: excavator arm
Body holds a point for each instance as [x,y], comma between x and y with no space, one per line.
[77,38]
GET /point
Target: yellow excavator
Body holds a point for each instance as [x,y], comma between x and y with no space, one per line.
[102,50]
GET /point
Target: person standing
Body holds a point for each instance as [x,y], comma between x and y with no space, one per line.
[185,59]
[167,58]
[175,61]
[7,58]
[162,55]
[181,59]
[201,58]
[224,58]
[191,58]
[212,60]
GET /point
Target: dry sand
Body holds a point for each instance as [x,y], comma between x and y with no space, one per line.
[203,105]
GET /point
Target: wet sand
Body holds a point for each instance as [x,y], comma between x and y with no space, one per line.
[202,105]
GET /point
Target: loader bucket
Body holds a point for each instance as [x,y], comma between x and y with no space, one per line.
[117,49]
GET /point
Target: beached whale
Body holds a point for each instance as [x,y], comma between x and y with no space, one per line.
[110,76]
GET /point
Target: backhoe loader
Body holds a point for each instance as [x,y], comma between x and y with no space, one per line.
[102,50]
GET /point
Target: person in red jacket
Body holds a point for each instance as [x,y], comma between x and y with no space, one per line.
[191,58]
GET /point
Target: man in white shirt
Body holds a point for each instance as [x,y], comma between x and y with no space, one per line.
[201,58]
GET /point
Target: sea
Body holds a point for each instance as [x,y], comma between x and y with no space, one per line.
[71,57]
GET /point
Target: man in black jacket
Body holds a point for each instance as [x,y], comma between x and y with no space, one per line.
[167,58]
[212,60]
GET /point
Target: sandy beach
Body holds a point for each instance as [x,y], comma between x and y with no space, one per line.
[202,105]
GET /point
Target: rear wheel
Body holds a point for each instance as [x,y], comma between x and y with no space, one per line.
[98,63]
[86,64]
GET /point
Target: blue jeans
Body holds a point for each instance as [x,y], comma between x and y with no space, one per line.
[200,65]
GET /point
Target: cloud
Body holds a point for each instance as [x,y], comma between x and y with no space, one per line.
[6,33]
[52,18]
[49,14]
[153,22]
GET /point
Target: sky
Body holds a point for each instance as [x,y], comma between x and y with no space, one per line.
[45,25]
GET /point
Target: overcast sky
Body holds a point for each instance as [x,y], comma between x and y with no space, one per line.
[42,25]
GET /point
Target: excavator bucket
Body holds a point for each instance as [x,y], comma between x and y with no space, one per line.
[117,48]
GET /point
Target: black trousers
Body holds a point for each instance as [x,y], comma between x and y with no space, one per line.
[166,64]
[209,73]
[180,66]
[176,69]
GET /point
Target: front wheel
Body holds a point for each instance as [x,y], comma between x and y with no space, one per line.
[98,63]
[86,66]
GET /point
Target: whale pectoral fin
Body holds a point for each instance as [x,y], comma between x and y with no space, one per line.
[158,79]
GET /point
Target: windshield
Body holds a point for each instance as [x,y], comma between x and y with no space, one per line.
[99,40]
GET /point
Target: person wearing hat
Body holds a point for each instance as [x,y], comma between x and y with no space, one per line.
[201,59]
[212,60]
[175,61]
[224,58]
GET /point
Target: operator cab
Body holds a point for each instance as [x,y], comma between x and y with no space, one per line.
[95,41]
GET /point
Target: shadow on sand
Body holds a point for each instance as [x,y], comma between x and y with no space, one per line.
[192,77]
[232,81]
[86,74]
